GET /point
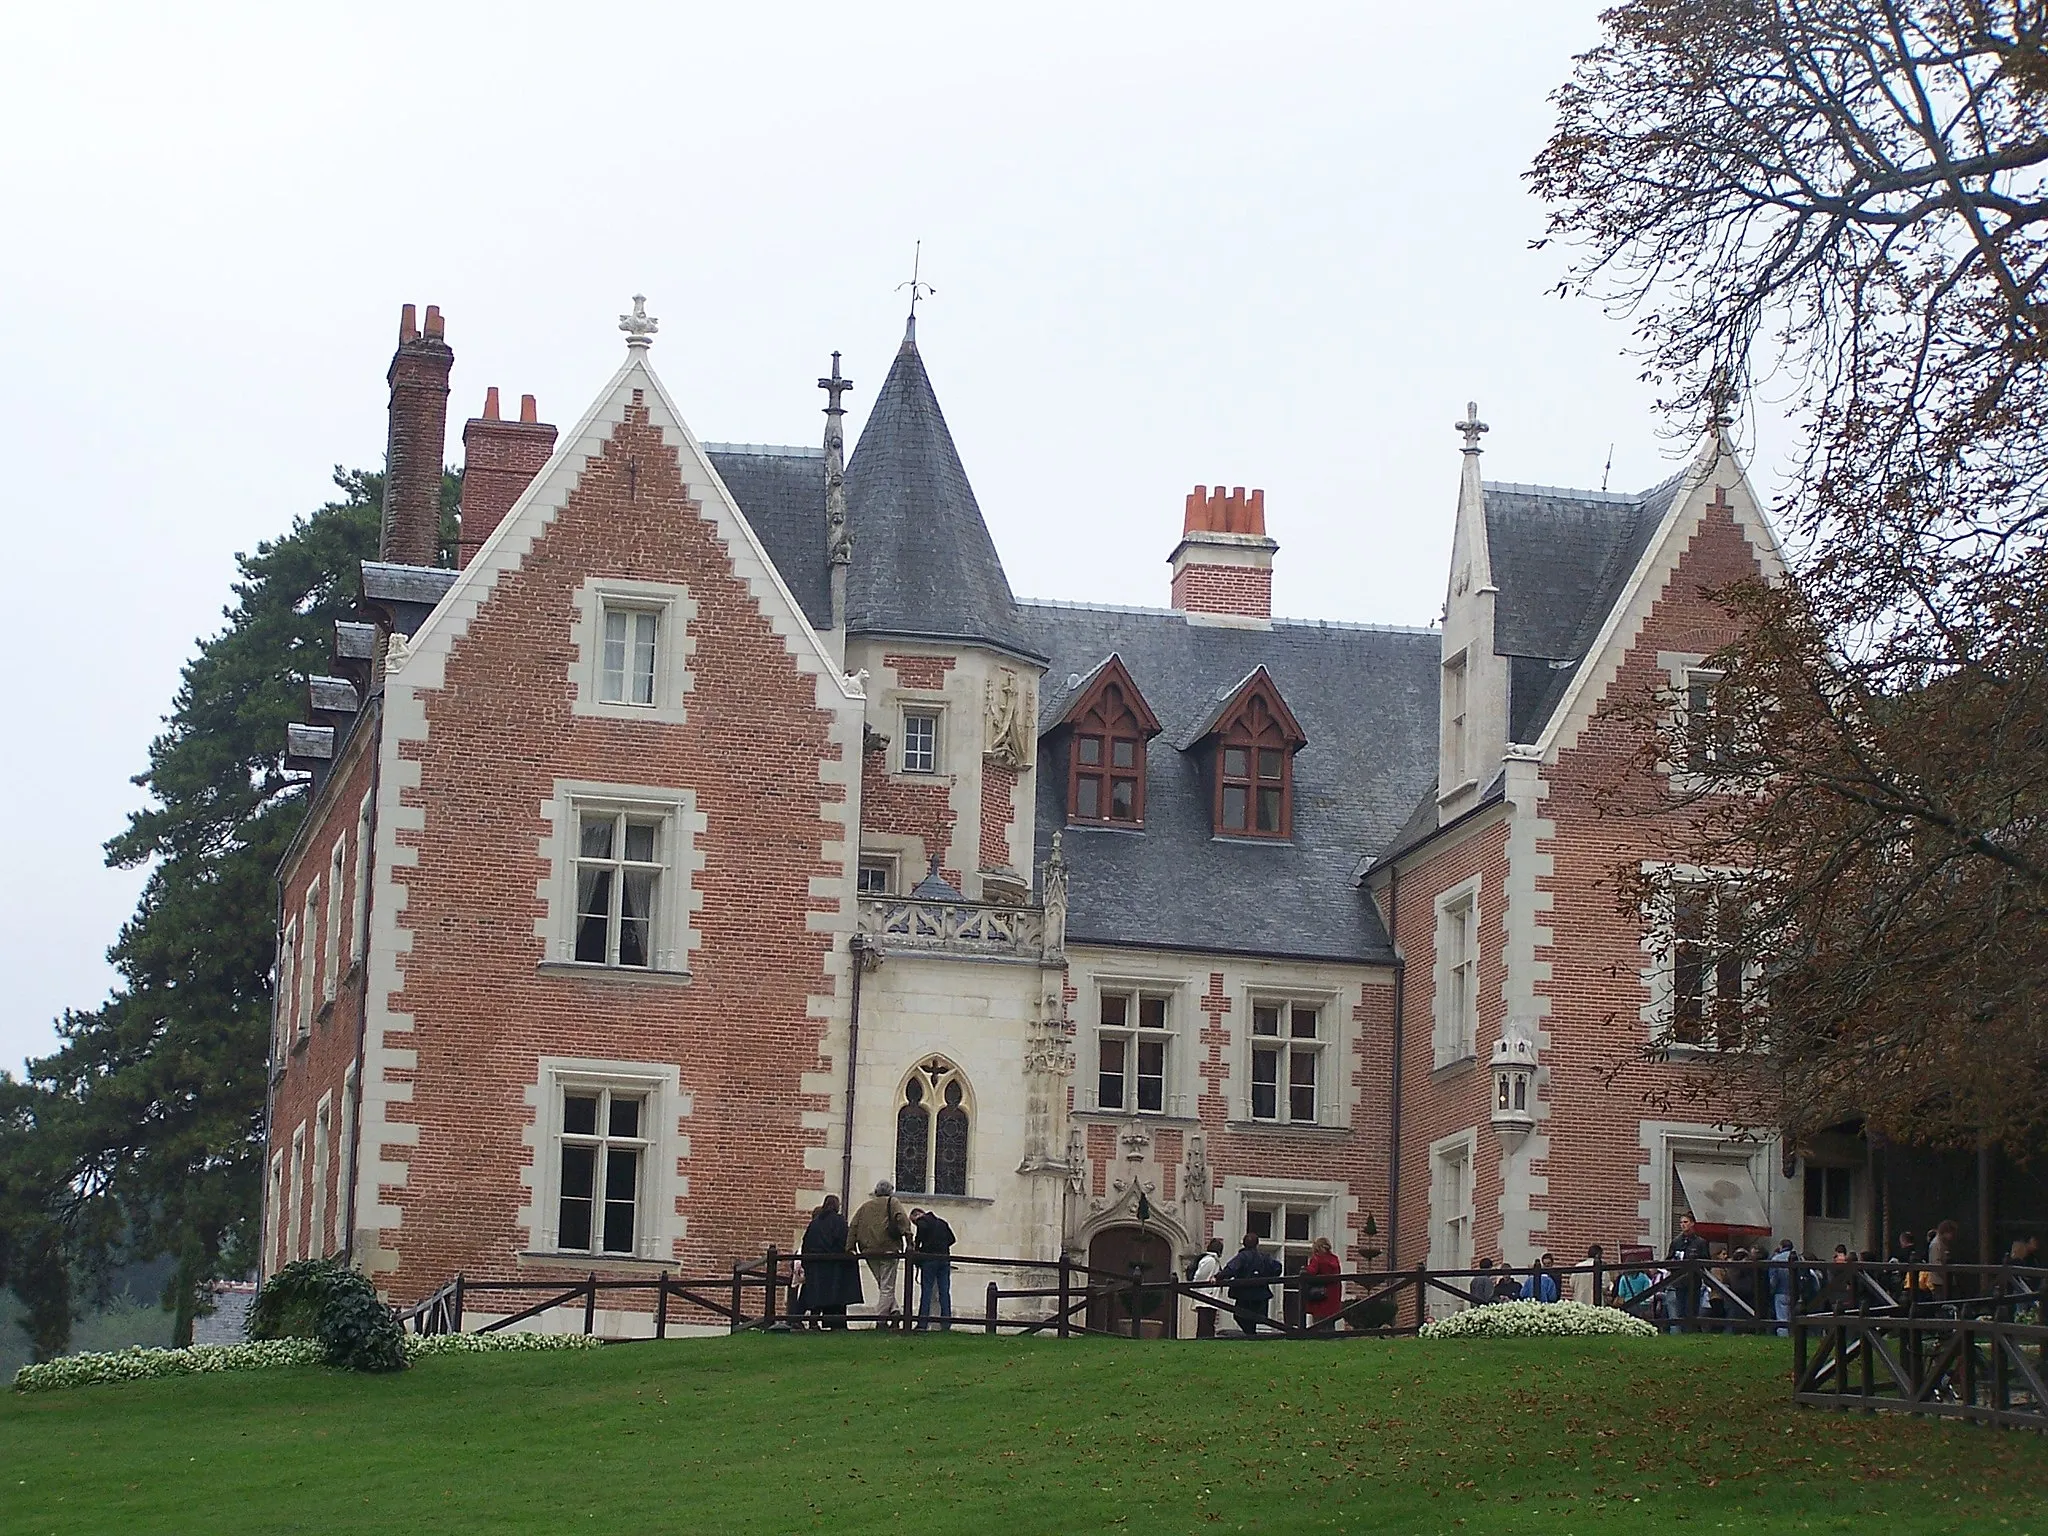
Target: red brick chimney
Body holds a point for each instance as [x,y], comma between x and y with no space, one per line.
[419,436]
[1223,565]
[500,459]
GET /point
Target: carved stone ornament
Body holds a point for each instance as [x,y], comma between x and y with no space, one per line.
[1052,895]
[397,652]
[1194,1172]
[857,683]
[1009,720]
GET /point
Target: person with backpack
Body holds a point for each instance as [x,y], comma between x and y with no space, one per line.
[933,1249]
[1248,1276]
[877,1233]
[1542,1282]
[1783,1284]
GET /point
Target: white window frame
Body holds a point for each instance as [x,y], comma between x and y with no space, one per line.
[1700,752]
[345,1156]
[359,922]
[1453,1179]
[1455,1003]
[1667,1143]
[294,1230]
[1660,975]
[636,678]
[1278,1207]
[285,991]
[1457,704]
[674,611]
[308,963]
[1132,1034]
[273,1239]
[337,869]
[323,1154]
[674,935]
[933,762]
[1324,1047]
[657,1227]
[891,870]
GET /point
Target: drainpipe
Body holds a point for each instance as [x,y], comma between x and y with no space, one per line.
[1394,1096]
[858,948]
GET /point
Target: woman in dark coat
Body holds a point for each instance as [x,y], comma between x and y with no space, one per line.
[831,1285]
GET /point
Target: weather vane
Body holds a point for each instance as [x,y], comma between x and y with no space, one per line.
[917,286]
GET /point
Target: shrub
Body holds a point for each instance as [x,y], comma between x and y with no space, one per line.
[145,1364]
[1537,1320]
[334,1304]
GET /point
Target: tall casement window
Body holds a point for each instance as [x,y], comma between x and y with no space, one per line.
[1710,973]
[345,1159]
[1287,1046]
[1457,974]
[1134,1045]
[323,1139]
[308,960]
[1285,1229]
[295,1197]
[337,870]
[602,1165]
[284,1004]
[273,1248]
[931,1131]
[1456,702]
[1108,726]
[920,741]
[359,923]
[1451,1207]
[1256,737]
[618,881]
[1707,735]
[626,671]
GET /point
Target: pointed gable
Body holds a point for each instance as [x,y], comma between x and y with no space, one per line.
[1255,695]
[923,566]
[1093,691]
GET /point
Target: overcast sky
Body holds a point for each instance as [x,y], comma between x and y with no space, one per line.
[1271,246]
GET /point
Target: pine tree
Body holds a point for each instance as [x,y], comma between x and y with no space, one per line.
[142,1134]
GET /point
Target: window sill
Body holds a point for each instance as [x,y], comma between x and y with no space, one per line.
[1254,839]
[300,1040]
[1445,797]
[629,973]
[924,1202]
[1149,1116]
[1454,1068]
[326,1011]
[1077,825]
[586,1262]
[1288,1128]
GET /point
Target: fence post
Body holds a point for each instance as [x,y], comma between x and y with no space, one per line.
[1066,1293]
[661,1306]
[738,1297]
[458,1303]
[909,1271]
[768,1308]
[1869,1362]
[1600,1282]
[590,1305]
[989,1319]
[1421,1296]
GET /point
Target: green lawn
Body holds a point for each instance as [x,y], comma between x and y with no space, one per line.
[961,1433]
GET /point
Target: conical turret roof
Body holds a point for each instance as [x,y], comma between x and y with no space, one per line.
[923,565]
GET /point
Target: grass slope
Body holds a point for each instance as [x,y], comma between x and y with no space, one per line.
[947,1433]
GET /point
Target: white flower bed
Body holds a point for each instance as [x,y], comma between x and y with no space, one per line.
[1537,1320]
[139,1364]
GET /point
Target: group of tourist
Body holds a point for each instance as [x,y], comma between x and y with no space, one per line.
[881,1232]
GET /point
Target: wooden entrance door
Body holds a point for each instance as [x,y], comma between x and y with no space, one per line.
[1127,1251]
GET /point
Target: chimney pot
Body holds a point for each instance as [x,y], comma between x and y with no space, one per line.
[433,325]
[408,323]
[491,403]
[529,408]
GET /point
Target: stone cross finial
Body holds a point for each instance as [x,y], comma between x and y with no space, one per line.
[1472,427]
[834,387]
[639,326]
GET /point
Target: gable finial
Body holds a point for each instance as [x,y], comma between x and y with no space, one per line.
[838,541]
[1720,401]
[639,326]
[1472,428]
[918,289]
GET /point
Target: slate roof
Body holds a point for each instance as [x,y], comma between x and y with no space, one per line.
[923,563]
[1367,699]
[1560,559]
[781,492]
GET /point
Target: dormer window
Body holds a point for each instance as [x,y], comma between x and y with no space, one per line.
[1109,725]
[1255,738]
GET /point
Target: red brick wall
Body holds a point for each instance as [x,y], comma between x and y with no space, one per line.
[998,785]
[1234,589]
[319,1064]
[501,731]
[1599,1089]
[924,673]
[1433,1104]
[897,805]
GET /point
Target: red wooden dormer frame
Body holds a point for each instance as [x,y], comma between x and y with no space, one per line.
[1256,737]
[1108,725]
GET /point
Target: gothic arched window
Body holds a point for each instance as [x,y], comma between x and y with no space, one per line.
[1256,737]
[928,1163]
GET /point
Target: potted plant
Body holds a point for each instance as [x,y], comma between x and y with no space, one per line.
[1371,1316]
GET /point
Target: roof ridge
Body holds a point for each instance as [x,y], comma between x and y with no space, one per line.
[1068,605]
[765,450]
[1577,493]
